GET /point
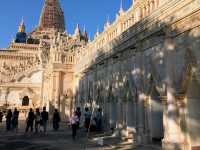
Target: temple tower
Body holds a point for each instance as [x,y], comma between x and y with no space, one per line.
[52,16]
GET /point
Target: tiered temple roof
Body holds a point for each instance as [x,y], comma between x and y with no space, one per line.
[52,16]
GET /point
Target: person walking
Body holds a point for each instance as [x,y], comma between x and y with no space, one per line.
[73,122]
[87,118]
[15,118]
[78,113]
[37,120]
[56,120]
[8,120]
[30,120]
[98,119]
[1,116]
[45,118]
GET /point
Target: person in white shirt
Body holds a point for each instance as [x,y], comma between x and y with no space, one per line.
[37,120]
[74,124]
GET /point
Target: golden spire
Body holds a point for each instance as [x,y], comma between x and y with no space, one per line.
[22,27]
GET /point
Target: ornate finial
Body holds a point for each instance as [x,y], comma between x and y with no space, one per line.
[22,21]
[108,21]
[77,30]
[22,27]
[121,5]
[121,10]
[89,38]
[107,24]
[108,18]
[85,35]
[84,28]
[97,33]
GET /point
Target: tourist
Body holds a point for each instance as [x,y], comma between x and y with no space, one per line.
[87,118]
[45,118]
[73,122]
[98,120]
[37,120]
[1,116]
[56,120]
[78,113]
[15,118]
[30,120]
[8,120]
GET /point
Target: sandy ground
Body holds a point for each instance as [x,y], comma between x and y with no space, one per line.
[61,140]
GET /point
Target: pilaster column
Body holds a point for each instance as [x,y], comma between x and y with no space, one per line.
[106,115]
[57,89]
[151,5]
[143,12]
[157,2]
[3,96]
[124,132]
[147,121]
[164,103]
[130,114]
[119,115]
[173,137]
[51,88]
[135,120]
[148,9]
[181,100]
[112,114]
[131,120]
[140,119]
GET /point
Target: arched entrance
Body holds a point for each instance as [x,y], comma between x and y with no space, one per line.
[154,111]
[25,101]
[156,116]
[28,97]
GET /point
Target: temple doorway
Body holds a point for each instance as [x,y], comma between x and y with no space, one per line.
[156,121]
[25,101]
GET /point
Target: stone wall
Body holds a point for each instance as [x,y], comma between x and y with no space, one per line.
[153,59]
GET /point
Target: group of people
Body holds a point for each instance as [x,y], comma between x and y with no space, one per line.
[35,120]
[41,120]
[38,120]
[12,120]
[91,124]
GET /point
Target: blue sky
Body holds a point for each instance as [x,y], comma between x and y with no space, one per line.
[88,13]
